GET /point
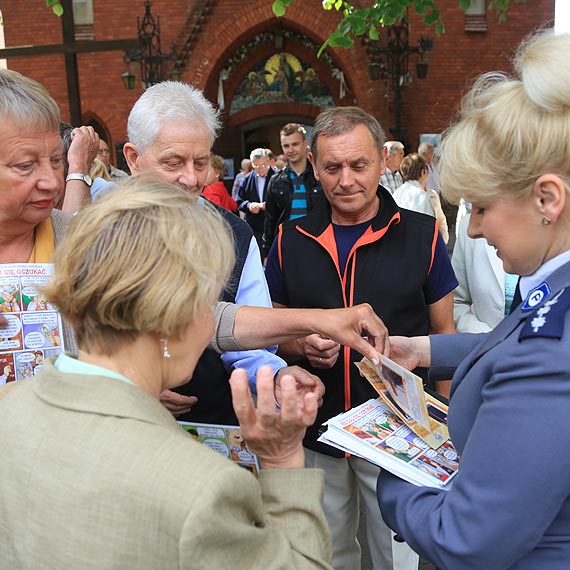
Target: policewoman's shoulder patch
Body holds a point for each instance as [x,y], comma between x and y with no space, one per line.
[536,296]
[548,319]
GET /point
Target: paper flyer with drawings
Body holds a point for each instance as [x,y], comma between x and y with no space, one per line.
[34,330]
[226,440]
[376,433]
[403,392]
[403,431]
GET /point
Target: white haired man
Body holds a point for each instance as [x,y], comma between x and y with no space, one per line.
[171,129]
[251,195]
[392,179]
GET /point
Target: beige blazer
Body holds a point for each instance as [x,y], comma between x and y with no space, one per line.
[96,474]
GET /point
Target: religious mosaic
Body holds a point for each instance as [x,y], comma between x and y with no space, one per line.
[282,78]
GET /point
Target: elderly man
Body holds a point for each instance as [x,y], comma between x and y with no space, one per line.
[357,246]
[251,195]
[293,191]
[171,129]
[104,155]
[392,179]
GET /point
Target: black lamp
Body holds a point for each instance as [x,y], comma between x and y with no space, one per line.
[128,80]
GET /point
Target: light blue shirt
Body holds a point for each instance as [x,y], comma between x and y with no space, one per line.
[99,187]
[253,290]
[70,365]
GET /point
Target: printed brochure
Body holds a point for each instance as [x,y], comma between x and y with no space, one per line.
[376,433]
[403,392]
[34,330]
[226,440]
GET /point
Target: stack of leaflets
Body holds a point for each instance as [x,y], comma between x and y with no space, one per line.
[226,440]
[403,431]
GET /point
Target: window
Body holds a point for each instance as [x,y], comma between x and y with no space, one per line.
[476,17]
[83,19]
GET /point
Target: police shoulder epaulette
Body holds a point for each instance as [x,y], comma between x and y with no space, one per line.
[548,319]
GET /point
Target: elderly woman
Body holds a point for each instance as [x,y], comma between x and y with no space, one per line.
[31,170]
[414,194]
[96,472]
[509,507]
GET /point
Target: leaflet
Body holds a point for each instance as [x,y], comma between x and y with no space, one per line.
[226,440]
[403,392]
[376,433]
[34,330]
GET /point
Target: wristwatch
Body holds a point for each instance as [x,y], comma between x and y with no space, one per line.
[78,176]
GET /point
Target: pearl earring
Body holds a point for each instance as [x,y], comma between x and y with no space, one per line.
[546,221]
[165,352]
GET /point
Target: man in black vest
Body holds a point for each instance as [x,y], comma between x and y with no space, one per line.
[357,246]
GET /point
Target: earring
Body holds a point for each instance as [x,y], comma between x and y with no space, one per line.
[165,352]
[546,221]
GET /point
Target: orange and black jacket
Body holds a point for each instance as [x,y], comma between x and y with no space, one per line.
[388,267]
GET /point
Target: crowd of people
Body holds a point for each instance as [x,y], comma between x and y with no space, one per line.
[183,300]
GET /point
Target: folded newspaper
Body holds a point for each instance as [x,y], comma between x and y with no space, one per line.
[403,431]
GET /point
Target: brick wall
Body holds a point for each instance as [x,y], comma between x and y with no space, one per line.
[428,104]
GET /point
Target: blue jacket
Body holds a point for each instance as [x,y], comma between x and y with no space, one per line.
[247,193]
[509,418]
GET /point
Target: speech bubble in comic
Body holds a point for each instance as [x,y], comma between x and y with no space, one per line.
[40,330]
[11,335]
[217,445]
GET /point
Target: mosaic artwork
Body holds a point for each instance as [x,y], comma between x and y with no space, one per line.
[282,78]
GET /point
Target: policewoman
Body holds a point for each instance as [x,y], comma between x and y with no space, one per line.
[509,418]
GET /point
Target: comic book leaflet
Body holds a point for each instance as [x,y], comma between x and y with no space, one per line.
[34,330]
[226,440]
[403,392]
[376,433]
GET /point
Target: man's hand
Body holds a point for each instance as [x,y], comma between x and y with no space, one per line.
[177,404]
[358,327]
[275,436]
[83,149]
[254,207]
[307,383]
[321,352]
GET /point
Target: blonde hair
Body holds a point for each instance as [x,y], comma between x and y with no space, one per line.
[412,167]
[144,259]
[218,165]
[512,130]
[99,170]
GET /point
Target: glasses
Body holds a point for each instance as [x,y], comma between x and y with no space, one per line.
[263,165]
[357,167]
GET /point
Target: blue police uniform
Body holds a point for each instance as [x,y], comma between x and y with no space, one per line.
[509,507]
